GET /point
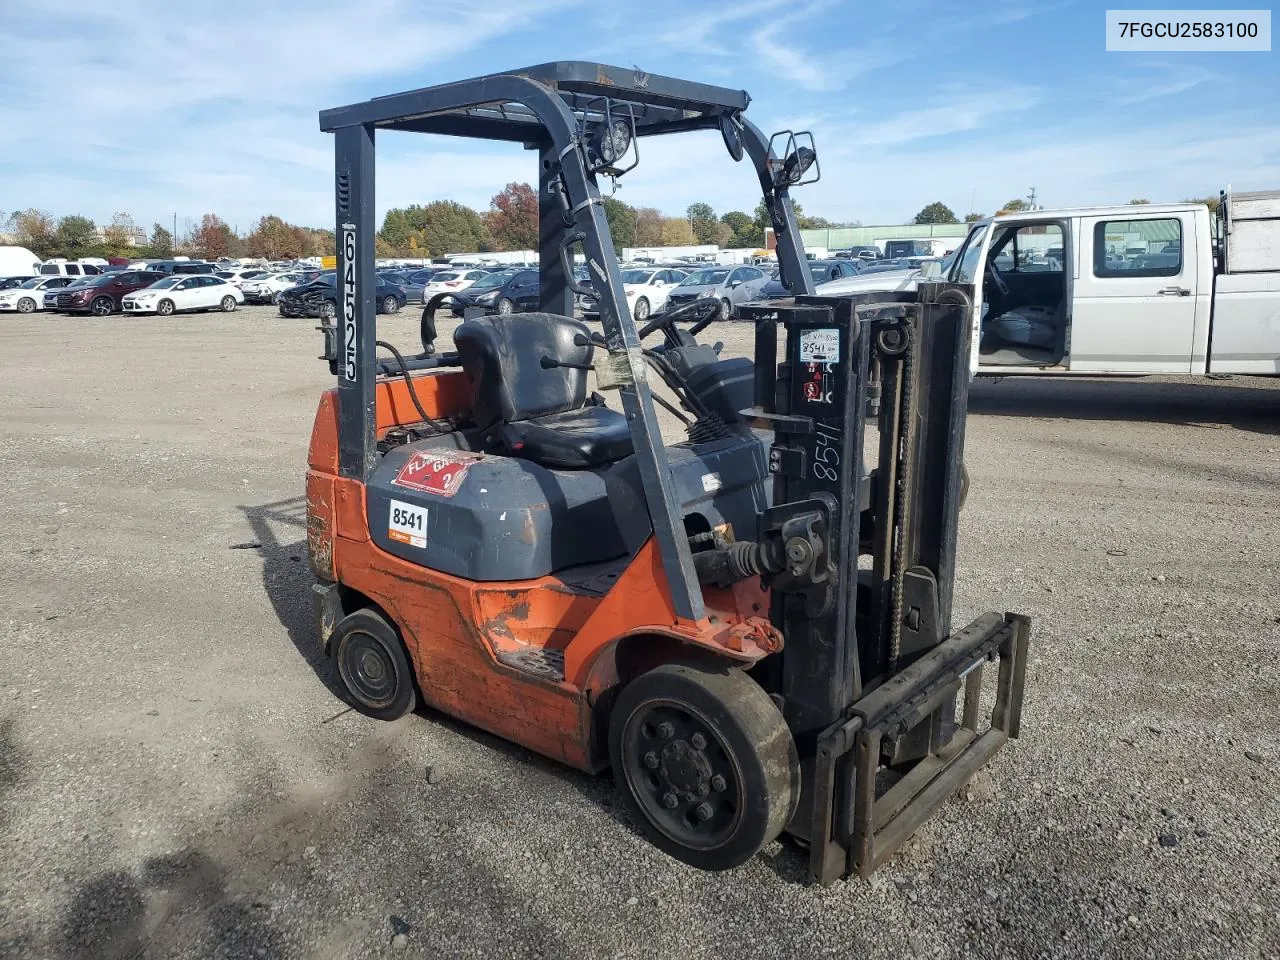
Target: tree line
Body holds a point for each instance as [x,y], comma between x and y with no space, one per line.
[76,236]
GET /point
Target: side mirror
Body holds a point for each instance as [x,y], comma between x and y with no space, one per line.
[733,283]
[930,270]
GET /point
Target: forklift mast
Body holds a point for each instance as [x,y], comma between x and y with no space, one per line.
[555,110]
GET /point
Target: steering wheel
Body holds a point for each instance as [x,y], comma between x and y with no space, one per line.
[706,309]
[996,280]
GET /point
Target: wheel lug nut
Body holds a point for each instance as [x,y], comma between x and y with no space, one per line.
[651,760]
[703,789]
[718,783]
[666,731]
[698,741]
[703,812]
[669,800]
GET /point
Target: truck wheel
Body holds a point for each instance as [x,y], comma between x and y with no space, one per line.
[705,763]
[102,307]
[26,305]
[164,308]
[373,666]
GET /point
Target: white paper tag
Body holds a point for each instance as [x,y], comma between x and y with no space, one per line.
[711,482]
[407,523]
[820,346]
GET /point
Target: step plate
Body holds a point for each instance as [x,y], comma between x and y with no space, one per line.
[547,664]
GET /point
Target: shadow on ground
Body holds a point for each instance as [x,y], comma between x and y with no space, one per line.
[1241,402]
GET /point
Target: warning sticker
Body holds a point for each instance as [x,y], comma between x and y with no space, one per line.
[820,346]
[436,472]
[407,523]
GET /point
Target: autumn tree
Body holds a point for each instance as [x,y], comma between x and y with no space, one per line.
[936,212]
[274,239]
[743,230]
[702,220]
[33,229]
[813,223]
[120,232]
[161,241]
[74,236]
[513,218]
[320,242]
[213,238]
[676,232]
[622,222]
[648,227]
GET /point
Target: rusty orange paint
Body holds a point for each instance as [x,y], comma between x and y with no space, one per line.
[456,630]
[444,393]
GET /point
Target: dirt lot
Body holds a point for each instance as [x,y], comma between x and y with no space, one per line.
[178,776]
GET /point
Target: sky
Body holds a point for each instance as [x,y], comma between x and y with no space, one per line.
[119,107]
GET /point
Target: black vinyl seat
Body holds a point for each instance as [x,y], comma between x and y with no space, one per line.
[534,411]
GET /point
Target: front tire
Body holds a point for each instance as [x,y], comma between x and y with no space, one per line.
[506,307]
[705,763]
[102,307]
[642,310]
[726,309]
[228,303]
[373,666]
[165,308]
[26,305]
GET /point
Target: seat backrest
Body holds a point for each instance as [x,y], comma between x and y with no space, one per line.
[503,357]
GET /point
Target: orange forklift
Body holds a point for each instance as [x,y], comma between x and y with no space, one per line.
[751,627]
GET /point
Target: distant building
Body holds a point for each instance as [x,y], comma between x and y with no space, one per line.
[137,238]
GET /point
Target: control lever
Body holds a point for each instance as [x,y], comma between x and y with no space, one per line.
[550,363]
[582,340]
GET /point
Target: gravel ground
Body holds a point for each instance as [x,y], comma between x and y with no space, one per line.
[178,776]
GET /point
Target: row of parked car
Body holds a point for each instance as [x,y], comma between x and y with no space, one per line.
[130,291]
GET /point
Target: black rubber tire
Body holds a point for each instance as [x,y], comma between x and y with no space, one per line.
[228,303]
[102,307]
[271,298]
[746,743]
[390,305]
[328,309]
[26,305]
[726,310]
[373,666]
[506,307]
[165,308]
[642,315]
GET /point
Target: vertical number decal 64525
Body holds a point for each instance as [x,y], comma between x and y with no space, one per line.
[350,366]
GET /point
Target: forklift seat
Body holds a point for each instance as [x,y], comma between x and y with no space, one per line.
[535,411]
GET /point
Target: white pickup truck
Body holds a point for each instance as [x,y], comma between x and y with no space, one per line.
[1148,288]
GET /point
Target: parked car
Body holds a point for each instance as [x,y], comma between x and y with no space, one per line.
[178,292]
[503,292]
[59,267]
[28,296]
[646,291]
[823,271]
[266,288]
[857,252]
[452,281]
[732,286]
[102,295]
[413,289]
[51,296]
[238,277]
[319,298]
[7,283]
[182,266]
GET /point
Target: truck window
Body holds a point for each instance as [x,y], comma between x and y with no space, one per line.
[1031,248]
[1137,248]
[968,266]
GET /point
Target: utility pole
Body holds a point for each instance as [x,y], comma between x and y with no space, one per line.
[1031,198]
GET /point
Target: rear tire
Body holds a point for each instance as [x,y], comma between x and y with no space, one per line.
[726,310]
[705,763]
[390,305]
[506,307]
[373,666]
[164,308]
[328,309]
[642,310]
[228,303]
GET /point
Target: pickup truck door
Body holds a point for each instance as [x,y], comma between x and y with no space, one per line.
[967,268]
[1134,308]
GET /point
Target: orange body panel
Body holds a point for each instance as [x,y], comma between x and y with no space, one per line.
[457,631]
